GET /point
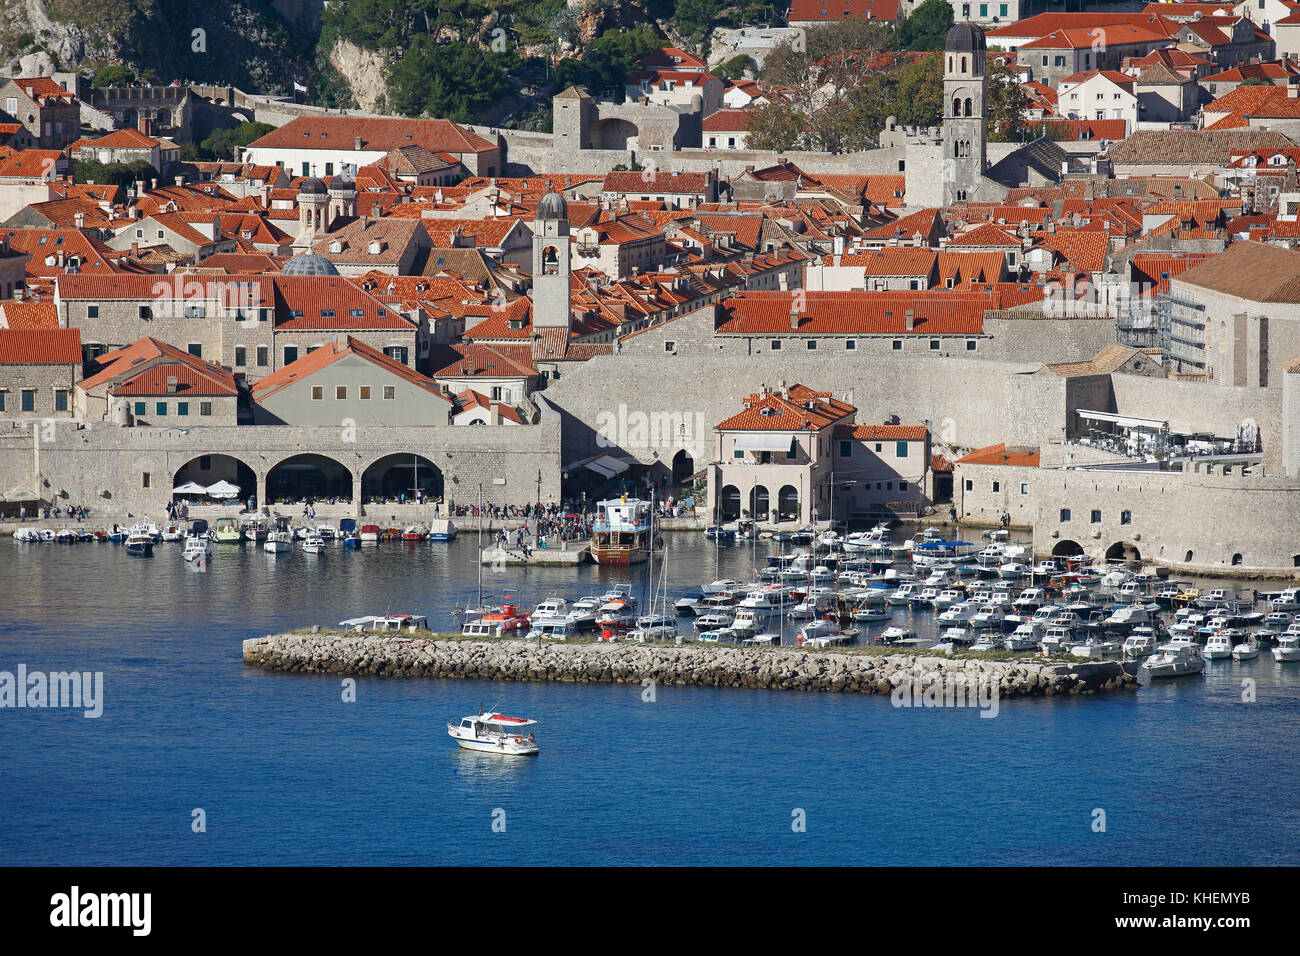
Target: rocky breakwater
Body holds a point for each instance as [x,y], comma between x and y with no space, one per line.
[926,680]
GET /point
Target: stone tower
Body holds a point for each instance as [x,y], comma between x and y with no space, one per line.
[552,294]
[964,86]
[312,198]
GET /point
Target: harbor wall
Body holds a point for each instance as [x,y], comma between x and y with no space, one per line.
[682,665]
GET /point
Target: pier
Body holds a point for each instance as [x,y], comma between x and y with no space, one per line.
[565,553]
[693,665]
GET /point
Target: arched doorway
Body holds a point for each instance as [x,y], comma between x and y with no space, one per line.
[1123,551]
[729,503]
[401,475]
[208,470]
[683,467]
[308,476]
[787,503]
[758,503]
[612,133]
[1067,549]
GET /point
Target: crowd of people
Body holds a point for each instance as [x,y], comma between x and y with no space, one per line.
[46,512]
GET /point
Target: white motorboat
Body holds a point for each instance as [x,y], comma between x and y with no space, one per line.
[496,734]
[551,629]
[1097,649]
[1129,616]
[1012,570]
[173,532]
[313,543]
[866,614]
[1218,647]
[197,547]
[988,615]
[389,621]
[963,612]
[903,593]
[1137,646]
[1287,649]
[277,542]
[897,634]
[1173,660]
[1247,650]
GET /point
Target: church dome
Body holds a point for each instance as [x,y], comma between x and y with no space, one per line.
[311,187]
[552,206]
[964,38]
[342,183]
[309,264]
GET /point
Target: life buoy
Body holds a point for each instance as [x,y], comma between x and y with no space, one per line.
[519,740]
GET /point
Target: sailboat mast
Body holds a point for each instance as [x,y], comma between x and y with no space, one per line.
[480,546]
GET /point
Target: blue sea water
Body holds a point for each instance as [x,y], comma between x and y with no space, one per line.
[286,772]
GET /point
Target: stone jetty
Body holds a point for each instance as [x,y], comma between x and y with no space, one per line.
[691,665]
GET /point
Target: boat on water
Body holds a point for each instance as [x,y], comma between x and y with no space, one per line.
[1173,660]
[442,529]
[226,531]
[505,621]
[415,532]
[369,533]
[624,532]
[197,548]
[1287,649]
[1247,650]
[313,543]
[277,542]
[1218,647]
[495,733]
[173,532]
[389,622]
[139,545]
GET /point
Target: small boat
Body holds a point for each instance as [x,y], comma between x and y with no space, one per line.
[442,529]
[552,629]
[505,621]
[495,733]
[388,622]
[348,533]
[1173,660]
[897,634]
[313,544]
[1287,649]
[196,548]
[1218,647]
[139,546]
[277,542]
[369,533]
[226,531]
[173,532]
[415,532]
[1137,646]
[1247,650]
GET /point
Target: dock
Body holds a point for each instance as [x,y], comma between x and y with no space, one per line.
[566,553]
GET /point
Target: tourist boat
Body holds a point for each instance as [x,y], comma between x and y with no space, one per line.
[369,533]
[197,548]
[388,622]
[505,621]
[313,543]
[415,532]
[139,545]
[1138,646]
[277,542]
[1287,648]
[495,733]
[1247,650]
[226,531]
[1173,660]
[442,529]
[624,532]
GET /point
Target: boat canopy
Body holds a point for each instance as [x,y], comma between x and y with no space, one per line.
[503,719]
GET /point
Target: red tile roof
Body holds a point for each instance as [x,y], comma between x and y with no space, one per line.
[377,134]
[1001,455]
[822,12]
[803,410]
[882,432]
[846,313]
[157,361]
[330,353]
[40,346]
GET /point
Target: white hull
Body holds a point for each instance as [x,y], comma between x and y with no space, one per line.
[503,745]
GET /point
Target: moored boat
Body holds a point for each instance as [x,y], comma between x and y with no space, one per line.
[495,733]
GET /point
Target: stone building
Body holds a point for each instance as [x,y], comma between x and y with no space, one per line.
[152,383]
[50,113]
[39,370]
[964,88]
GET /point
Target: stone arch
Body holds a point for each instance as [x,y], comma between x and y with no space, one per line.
[683,467]
[956,106]
[401,473]
[1236,559]
[209,469]
[969,111]
[550,261]
[306,475]
[1067,549]
[729,503]
[612,133]
[759,502]
[164,117]
[787,503]
[1123,551]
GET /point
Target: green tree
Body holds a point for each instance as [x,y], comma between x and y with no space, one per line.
[119,174]
[456,80]
[226,143]
[775,126]
[736,67]
[912,93]
[927,27]
[695,18]
[115,74]
[1005,103]
[608,59]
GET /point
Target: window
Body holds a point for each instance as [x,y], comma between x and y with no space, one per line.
[970,485]
[182,408]
[1024,487]
[1126,517]
[145,312]
[900,449]
[811,345]
[317,393]
[263,355]
[897,345]
[1094,517]
[670,346]
[902,486]
[340,393]
[934,345]
[997,486]
[160,408]
[139,408]
[397,353]
[970,345]
[850,345]
[144,480]
[92,311]
[776,345]
[356,313]
[195,349]
[365,392]
[327,313]
[2,400]
[205,408]
[241,356]
[195,311]
[29,400]
[60,399]
[290,354]
[1065,514]
[737,454]
[846,448]
[390,392]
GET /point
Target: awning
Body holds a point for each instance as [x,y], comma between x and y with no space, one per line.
[20,494]
[607,466]
[190,488]
[223,489]
[1124,421]
[760,441]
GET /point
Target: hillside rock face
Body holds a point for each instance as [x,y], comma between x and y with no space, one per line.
[364,71]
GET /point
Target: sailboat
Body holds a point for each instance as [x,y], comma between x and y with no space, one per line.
[658,624]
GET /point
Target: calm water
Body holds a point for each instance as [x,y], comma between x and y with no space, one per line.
[288,773]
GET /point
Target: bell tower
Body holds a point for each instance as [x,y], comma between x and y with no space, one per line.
[964,88]
[552,293]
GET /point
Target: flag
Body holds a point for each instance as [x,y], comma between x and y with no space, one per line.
[298,87]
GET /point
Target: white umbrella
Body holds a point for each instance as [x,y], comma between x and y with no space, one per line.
[223,489]
[190,488]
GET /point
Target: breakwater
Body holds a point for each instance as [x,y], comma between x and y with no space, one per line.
[682,665]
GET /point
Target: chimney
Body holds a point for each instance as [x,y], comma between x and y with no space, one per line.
[135,249]
[171,384]
[794,317]
[356,143]
[180,180]
[1291,91]
[153,184]
[909,321]
[79,220]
